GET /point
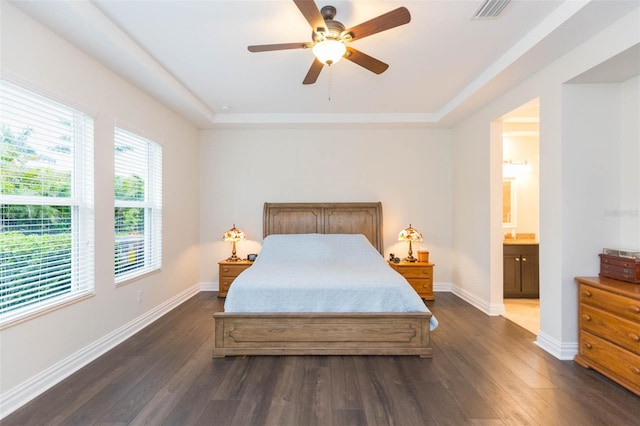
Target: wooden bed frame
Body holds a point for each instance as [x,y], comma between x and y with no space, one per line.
[377,333]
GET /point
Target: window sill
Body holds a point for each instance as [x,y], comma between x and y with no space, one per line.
[131,278]
[49,306]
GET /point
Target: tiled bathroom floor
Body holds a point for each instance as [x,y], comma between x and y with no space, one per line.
[524,312]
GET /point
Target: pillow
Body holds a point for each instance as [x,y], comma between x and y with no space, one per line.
[317,248]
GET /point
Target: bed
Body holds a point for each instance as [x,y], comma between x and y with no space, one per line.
[330,325]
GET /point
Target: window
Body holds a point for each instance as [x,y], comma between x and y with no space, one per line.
[46,204]
[138,206]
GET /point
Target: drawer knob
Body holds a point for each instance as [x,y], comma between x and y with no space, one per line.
[634,337]
[586,317]
[586,293]
[635,309]
[517,259]
[588,345]
[635,370]
[524,259]
[225,269]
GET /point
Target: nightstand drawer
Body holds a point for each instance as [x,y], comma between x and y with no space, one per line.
[231,270]
[228,272]
[421,285]
[419,275]
[225,284]
[417,272]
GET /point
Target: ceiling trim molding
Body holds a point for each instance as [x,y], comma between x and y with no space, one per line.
[101,22]
[563,13]
[279,119]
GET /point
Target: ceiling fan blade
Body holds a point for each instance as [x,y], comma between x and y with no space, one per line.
[366,61]
[281,46]
[395,18]
[311,13]
[314,72]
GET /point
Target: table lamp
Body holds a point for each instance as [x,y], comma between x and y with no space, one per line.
[233,235]
[410,234]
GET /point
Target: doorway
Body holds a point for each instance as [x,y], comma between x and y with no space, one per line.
[520,215]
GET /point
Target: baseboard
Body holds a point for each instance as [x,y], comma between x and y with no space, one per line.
[561,350]
[442,287]
[492,309]
[25,392]
[209,286]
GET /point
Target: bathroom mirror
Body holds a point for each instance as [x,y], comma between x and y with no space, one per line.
[509,203]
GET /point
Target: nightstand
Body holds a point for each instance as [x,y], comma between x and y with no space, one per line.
[419,275]
[228,272]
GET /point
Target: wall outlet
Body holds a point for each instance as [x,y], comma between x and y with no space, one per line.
[139,297]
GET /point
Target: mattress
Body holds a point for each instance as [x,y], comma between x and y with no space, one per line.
[321,273]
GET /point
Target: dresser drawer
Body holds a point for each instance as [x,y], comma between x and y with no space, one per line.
[231,271]
[612,360]
[613,328]
[623,306]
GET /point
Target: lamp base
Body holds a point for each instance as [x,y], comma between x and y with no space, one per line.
[409,259]
[233,257]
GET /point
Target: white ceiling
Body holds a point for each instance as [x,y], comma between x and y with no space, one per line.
[192,55]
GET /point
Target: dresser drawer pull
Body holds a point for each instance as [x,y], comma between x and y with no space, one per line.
[586,317]
[225,269]
[517,259]
[586,293]
[634,337]
[635,309]
[635,370]
[524,259]
[588,345]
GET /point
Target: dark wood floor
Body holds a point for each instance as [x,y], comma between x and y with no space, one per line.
[485,370]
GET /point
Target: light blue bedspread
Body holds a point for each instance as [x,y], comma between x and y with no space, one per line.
[321,273]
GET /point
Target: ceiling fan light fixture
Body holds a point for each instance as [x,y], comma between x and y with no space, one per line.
[329,51]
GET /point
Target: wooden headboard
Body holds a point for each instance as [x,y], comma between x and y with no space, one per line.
[325,218]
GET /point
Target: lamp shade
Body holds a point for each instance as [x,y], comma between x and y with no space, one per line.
[233,234]
[410,234]
[329,51]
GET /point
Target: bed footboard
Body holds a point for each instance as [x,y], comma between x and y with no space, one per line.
[322,334]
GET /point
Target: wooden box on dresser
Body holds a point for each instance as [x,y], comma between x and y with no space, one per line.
[419,275]
[228,272]
[609,320]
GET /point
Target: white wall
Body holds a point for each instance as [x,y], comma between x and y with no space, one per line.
[30,350]
[471,214]
[561,198]
[407,169]
[629,161]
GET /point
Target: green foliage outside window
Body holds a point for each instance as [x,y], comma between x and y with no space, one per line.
[29,250]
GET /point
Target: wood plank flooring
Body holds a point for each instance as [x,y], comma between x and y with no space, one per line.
[485,371]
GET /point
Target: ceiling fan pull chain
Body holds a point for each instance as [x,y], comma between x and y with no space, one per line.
[330,81]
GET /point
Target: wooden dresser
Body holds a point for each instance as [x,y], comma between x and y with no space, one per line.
[419,275]
[228,272]
[609,340]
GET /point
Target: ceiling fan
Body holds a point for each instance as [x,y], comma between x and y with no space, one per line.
[331,39]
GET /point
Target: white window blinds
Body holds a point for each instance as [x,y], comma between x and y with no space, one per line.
[46,204]
[138,205]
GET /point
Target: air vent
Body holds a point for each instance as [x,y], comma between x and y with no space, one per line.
[490,9]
